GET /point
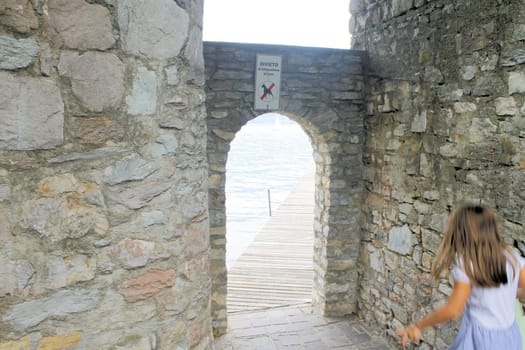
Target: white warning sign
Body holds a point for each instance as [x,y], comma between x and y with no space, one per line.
[267,82]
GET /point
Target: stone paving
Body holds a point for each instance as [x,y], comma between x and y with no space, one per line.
[295,327]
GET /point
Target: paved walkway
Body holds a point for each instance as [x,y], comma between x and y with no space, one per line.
[295,327]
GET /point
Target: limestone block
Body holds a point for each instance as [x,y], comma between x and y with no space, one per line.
[198,239]
[419,123]
[506,106]
[433,75]
[516,82]
[400,240]
[46,59]
[401,6]
[137,342]
[17,53]
[147,284]
[152,28]
[60,342]
[15,276]
[56,185]
[195,208]
[154,217]
[5,192]
[172,75]
[468,72]
[97,78]
[81,25]
[5,228]
[31,113]
[143,98]
[431,240]
[63,303]
[197,268]
[464,107]
[21,344]
[19,15]
[512,57]
[130,168]
[139,196]
[133,253]
[97,130]
[481,130]
[193,51]
[164,144]
[519,32]
[58,212]
[68,270]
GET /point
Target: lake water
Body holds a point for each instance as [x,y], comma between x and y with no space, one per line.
[266,155]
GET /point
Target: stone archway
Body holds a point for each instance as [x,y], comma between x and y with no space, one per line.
[322,90]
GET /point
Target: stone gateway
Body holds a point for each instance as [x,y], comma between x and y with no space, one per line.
[115,126]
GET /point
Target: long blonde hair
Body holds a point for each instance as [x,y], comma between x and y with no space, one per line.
[472,235]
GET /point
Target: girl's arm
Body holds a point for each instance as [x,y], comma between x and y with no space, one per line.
[521,286]
[451,310]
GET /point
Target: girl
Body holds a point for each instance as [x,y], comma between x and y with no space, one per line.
[486,275]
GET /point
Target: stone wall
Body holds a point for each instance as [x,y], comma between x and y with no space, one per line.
[322,90]
[103,176]
[445,124]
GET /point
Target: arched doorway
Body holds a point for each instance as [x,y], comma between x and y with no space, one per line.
[269,215]
[321,90]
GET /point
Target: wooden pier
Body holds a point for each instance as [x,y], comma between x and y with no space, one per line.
[277,267]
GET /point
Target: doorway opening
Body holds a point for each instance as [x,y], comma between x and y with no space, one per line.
[269,215]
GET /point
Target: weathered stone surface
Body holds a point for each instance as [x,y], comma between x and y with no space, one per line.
[481,129]
[147,284]
[81,25]
[131,168]
[152,28]
[143,98]
[5,228]
[419,124]
[172,75]
[62,303]
[155,217]
[98,130]
[46,60]
[19,15]
[60,342]
[164,144]
[21,344]
[468,72]
[93,155]
[139,196]
[58,212]
[193,51]
[5,192]
[17,53]
[506,106]
[97,79]
[31,113]
[401,6]
[400,240]
[133,253]
[15,275]
[198,239]
[516,82]
[137,342]
[67,270]
[512,57]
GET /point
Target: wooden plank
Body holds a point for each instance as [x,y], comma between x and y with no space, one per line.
[277,267]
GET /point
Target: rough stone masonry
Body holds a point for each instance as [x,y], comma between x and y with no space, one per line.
[103,176]
[104,224]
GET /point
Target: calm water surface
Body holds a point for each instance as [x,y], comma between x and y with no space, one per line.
[265,155]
